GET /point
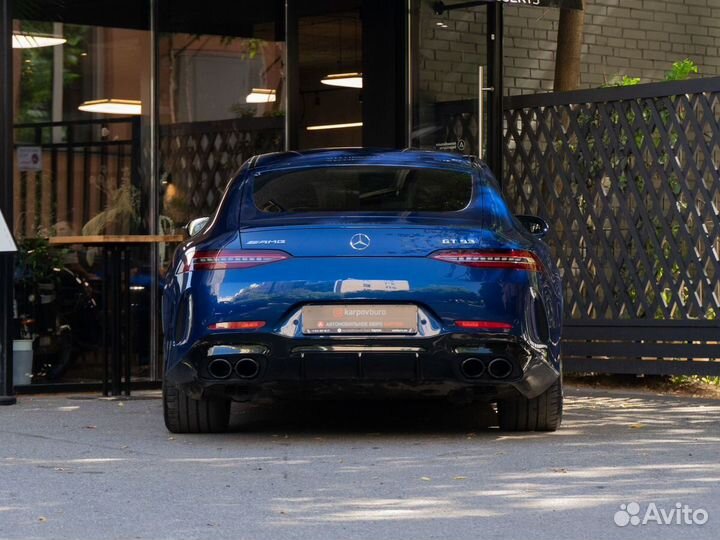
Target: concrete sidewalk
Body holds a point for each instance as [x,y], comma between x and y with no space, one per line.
[79,467]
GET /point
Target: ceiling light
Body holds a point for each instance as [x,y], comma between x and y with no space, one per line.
[348,80]
[261,95]
[112,106]
[334,126]
[22,40]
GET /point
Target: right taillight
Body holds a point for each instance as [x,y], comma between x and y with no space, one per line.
[232,259]
[511,259]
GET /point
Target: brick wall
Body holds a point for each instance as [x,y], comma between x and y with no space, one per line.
[451,47]
[639,38]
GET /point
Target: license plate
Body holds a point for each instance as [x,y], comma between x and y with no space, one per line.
[359,319]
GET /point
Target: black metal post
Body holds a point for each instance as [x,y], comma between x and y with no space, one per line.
[70,174]
[116,351]
[156,367]
[7,391]
[292,75]
[106,321]
[494,154]
[383,68]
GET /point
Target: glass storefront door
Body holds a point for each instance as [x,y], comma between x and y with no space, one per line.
[447,52]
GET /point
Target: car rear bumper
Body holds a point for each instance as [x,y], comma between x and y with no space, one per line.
[466,366]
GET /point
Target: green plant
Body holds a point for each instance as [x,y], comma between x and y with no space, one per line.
[242,111]
[621,80]
[681,70]
[36,74]
[37,261]
[689,380]
[36,275]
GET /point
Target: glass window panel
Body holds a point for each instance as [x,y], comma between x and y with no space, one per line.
[362,189]
[82,87]
[222,100]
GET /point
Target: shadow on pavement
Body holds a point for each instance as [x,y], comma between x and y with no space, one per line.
[378,416]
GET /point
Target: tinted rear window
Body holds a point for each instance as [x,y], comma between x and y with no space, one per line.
[362,189]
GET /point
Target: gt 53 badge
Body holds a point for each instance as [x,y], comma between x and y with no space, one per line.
[459,241]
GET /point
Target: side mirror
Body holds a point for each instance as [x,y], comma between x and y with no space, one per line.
[196,225]
[534,225]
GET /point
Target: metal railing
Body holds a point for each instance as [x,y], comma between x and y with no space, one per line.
[82,163]
[92,158]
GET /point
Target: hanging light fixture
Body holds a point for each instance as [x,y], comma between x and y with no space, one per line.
[348,80]
[261,95]
[352,79]
[25,40]
[112,106]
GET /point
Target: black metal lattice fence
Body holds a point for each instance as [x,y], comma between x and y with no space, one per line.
[628,180]
[199,158]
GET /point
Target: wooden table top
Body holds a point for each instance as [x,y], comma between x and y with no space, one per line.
[114,239]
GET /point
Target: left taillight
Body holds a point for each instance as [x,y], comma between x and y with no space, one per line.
[232,259]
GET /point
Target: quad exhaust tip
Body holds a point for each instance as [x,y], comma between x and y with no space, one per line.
[247,368]
[472,368]
[220,368]
[500,368]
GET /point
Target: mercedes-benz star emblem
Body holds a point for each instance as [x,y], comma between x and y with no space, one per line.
[360,241]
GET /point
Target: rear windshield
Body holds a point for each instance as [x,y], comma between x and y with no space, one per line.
[362,189]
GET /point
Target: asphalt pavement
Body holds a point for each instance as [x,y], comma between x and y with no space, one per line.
[79,467]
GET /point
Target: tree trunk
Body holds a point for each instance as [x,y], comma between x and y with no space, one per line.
[569,46]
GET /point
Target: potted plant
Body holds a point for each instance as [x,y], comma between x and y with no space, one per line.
[35,287]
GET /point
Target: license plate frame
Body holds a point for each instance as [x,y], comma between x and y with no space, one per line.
[360,319]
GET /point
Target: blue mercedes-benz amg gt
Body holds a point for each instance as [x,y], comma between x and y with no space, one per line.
[363,273]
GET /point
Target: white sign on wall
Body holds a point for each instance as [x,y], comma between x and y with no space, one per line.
[29,158]
[7,244]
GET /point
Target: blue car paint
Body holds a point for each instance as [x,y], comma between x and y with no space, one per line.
[399,250]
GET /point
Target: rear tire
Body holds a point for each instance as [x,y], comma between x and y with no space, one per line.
[542,413]
[186,415]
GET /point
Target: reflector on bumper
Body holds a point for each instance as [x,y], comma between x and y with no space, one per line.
[237,325]
[484,325]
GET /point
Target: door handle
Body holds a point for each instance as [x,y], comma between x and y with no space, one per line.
[481,109]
